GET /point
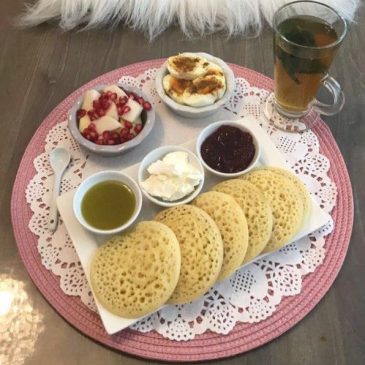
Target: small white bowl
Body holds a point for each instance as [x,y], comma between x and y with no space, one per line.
[95,179]
[207,131]
[197,112]
[148,121]
[158,154]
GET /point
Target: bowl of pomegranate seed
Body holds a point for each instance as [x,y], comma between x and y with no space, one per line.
[111,119]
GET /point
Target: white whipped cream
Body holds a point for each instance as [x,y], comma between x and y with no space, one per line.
[172,178]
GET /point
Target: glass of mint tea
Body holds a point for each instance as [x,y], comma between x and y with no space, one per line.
[307,35]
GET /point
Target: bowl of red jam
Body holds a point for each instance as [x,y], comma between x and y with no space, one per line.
[227,148]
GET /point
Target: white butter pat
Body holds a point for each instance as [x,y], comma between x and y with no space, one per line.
[172,178]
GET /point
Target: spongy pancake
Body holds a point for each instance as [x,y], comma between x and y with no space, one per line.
[231,221]
[201,249]
[302,190]
[257,211]
[286,202]
[136,273]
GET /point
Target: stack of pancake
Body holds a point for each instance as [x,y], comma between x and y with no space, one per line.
[188,248]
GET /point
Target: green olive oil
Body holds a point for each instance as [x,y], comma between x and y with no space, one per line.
[108,205]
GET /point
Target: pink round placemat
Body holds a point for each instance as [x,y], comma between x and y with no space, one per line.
[244,337]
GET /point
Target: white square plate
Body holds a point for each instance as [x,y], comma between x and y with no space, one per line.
[87,243]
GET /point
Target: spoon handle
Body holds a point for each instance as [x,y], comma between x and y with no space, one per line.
[53,212]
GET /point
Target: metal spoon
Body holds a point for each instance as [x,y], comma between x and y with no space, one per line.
[59,159]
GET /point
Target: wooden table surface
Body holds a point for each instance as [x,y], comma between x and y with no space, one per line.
[40,67]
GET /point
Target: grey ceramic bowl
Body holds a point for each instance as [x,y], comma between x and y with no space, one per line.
[197,112]
[148,121]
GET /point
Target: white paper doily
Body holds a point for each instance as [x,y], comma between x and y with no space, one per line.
[253,293]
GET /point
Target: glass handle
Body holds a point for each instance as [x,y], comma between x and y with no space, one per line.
[338,97]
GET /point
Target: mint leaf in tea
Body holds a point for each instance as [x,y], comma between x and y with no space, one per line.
[300,62]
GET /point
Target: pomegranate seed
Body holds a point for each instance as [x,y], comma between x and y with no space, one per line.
[99,141]
[96,104]
[127,124]
[131,96]
[140,100]
[126,109]
[130,136]
[106,135]
[92,114]
[93,134]
[92,126]
[120,109]
[100,112]
[105,104]
[109,93]
[123,132]
[111,141]
[80,113]
[103,97]
[113,97]
[122,99]
[138,128]
[116,138]
[147,106]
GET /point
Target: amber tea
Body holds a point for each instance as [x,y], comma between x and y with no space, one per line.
[299,63]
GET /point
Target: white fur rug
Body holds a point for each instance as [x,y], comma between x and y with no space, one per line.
[195,17]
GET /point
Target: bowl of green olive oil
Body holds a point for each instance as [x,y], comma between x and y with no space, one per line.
[107,202]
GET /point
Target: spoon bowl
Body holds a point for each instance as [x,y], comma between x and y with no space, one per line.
[59,159]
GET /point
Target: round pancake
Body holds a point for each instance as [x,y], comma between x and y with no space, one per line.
[286,203]
[257,211]
[135,273]
[307,203]
[231,221]
[201,249]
